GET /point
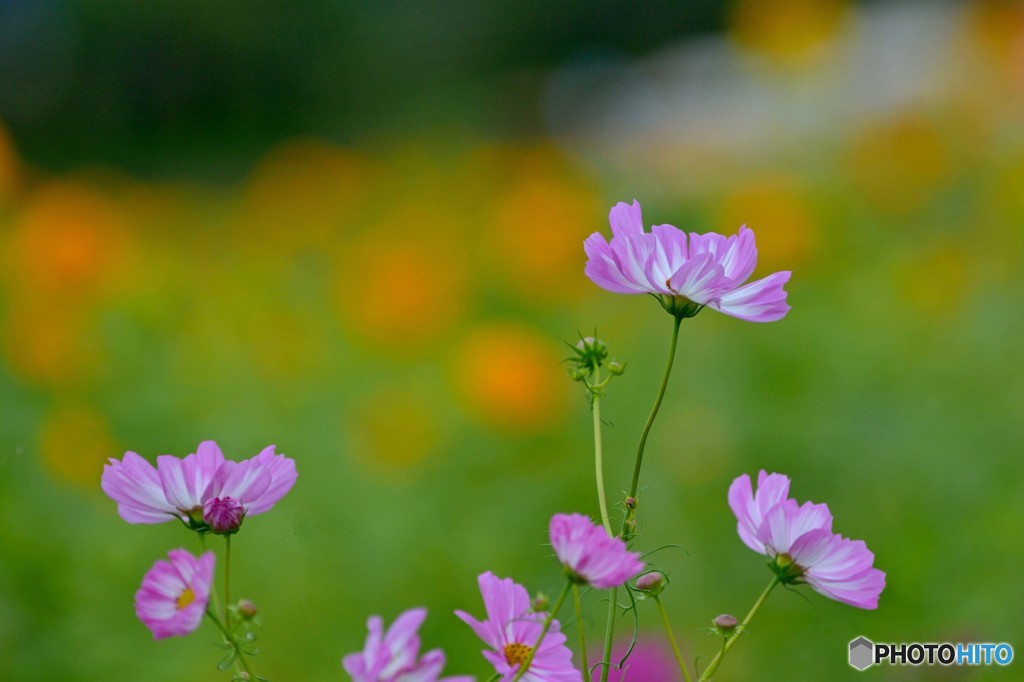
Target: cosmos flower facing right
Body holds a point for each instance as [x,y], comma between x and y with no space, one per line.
[685,272]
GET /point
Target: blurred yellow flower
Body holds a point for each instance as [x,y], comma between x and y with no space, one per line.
[935,281]
[394,428]
[777,209]
[899,165]
[51,341]
[788,31]
[301,194]
[75,442]
[534,240]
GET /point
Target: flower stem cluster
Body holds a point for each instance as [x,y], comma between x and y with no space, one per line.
[208,494]
[685,273]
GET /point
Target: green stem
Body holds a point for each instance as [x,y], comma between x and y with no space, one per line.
[635,484]
[239,654]
[654,410]
[609,633]
[672,639]
[599,464]
[579,624]
[525,665]
[227,581]
[717,660]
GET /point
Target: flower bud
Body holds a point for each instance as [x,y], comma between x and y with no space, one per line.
[788,570]
[246,609]
[576,374]
[631,503]
[540,602]
[652,583]
[590,353]
[725,624]
[223,514]
[616,367]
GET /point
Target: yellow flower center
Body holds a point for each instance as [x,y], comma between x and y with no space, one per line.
[185,598]
[517,653]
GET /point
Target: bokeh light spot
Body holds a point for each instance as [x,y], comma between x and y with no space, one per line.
[304,191]
[777,210]
[69,239]
[75,442]
[404,283]
[899,165]
[394,429]
[535,242]
[510,377]
[788,31]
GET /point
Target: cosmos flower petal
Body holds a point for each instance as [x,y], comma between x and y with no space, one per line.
[750,507]
[626,220]
[135,485]
[393,656]
[763,300]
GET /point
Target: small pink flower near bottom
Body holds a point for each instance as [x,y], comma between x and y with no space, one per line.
[174,595]
[393,656]
[512,629]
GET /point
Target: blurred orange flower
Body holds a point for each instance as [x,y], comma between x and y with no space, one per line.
[534,242]
[510,377]
[69,239]
[404,283]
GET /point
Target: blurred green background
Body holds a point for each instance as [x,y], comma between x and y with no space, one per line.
[356,231]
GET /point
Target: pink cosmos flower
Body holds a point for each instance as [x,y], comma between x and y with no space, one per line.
[392,656]
[685,272]
[179,488]
[512,629]
[589,554]
[174,595]
[800,541]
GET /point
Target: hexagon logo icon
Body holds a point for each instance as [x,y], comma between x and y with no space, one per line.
[862,653]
